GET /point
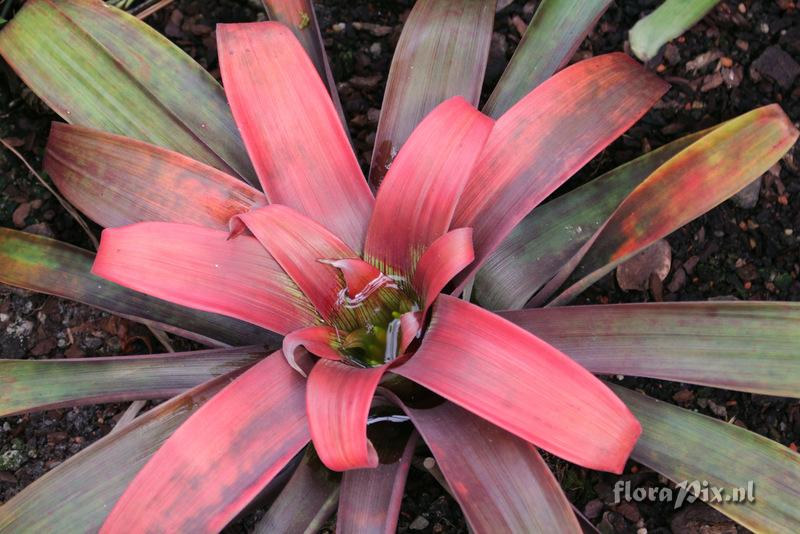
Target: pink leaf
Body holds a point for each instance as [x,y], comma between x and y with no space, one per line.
[443,260]
[516,381]
[410,327]
[317,340]
[291,129]
[298,244]
[360,277]
[546,137]
[221,457]
[418,197]
[200,268]
[338,401]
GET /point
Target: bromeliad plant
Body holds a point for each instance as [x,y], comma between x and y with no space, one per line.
[355,282]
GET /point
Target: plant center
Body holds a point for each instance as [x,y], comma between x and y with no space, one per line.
[369,325]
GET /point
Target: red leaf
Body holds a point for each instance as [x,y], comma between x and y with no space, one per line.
[518,382]
[359,276]
[299,16]
[221,457]
[443,260]
[500,481]
[117,181]
[298,244]
[291,129]
[200,268]
[546,137]
[317,340]
[370,499]
[410,326]
[442,52]
[416,201]
[338,401]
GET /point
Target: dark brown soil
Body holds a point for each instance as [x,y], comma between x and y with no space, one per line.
[741,56]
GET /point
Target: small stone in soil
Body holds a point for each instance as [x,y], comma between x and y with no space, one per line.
[593,508]
[747,198]
[375,29]
[706,58]
[635,273]
[700,518]
[420,523]
[683,396]
[778,66]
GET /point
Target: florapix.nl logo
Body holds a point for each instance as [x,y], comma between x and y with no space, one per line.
[685,491]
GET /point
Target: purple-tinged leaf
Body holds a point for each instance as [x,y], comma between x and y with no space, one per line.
[370,498]
[694,342]
[547,238]
[442,53]
[81,491]
[500,480]
[307,501]
[695,180]
[545,138]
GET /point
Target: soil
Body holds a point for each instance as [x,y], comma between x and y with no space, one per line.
[741,56]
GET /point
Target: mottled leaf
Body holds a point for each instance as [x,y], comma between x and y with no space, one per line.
[547,238]
[27,385]
[687,447]
[695,180]
[97,66]
[221,457]
[77,495]
[117,180]
[49,266]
